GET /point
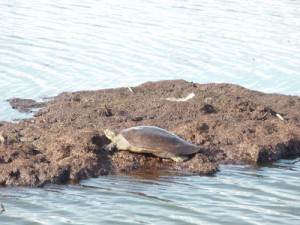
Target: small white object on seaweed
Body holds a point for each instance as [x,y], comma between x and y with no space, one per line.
[188,97]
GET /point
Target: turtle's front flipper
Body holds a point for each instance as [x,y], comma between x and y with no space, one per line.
[109,147]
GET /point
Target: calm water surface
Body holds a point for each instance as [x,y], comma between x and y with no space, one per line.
[236,195]
[47,47]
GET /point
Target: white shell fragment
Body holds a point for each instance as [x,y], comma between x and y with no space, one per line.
[188,97]
[279,116]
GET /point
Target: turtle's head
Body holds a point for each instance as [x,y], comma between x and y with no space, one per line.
[110,134]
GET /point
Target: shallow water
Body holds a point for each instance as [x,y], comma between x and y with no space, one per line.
[47,47]
[236,195]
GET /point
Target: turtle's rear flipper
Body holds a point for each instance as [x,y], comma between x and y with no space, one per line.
[181,158]
[168,155]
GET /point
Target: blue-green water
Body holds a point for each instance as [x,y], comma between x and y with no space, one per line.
[47,47]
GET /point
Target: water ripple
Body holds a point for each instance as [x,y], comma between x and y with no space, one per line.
[50,47]
[231,195]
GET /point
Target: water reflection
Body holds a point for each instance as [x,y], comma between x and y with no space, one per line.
[156,174]
[283,164]
[233,194]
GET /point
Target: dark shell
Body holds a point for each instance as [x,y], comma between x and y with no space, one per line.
[156,139]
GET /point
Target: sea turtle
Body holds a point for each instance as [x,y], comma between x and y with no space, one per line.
[150,139]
